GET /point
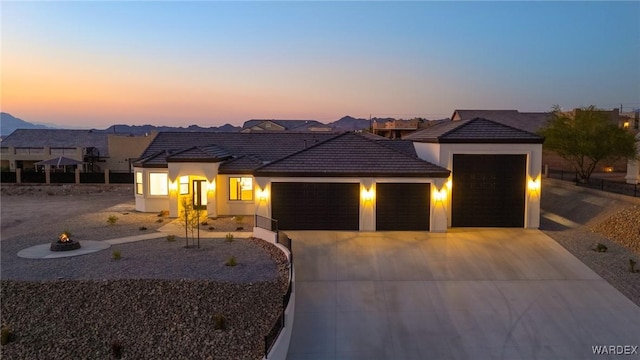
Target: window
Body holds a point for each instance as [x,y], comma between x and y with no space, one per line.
[184,185]
[240,188]
[139,182]
[158,184]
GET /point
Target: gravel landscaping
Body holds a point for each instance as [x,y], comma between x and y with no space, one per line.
[159,300]
[611,222]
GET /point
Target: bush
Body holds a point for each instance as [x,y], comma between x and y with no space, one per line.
[632,266]
[229,237]
[601,248]
[219,322]
[142,228]
[211,228]
[171,238]
[112,219]
[159,221]
[116,255]
[116,349]
[232,261]
[6,335]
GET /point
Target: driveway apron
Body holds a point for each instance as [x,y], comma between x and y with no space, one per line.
[467,294]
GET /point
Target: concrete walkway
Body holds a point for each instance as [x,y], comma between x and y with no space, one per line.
[467,294]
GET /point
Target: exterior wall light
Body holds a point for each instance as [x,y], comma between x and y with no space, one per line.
[439,195]
[367,195]
[263,195]
[173,186]
[534,185]
[211,186]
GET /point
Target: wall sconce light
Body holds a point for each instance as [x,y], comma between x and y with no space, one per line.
[534,186]
[439,195]
[173,186]
[263,194]
[367,195]
[211,186]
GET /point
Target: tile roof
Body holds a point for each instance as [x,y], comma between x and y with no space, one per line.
[527,121]
[476,130]
[209,153]
[351,154]
[241,165]
[265,146]
[288,125]
[58,138]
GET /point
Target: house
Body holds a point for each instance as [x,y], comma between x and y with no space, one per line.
[98,150]
[349,181]
[527,121]
[285,125]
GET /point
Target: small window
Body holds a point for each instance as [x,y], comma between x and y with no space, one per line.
[158,184]
[184,185]
[139,182]
[241,188]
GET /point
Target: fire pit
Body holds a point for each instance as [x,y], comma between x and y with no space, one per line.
[64,243]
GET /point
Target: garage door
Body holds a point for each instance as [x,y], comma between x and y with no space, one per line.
[488,190]
[402,206]
[316,206]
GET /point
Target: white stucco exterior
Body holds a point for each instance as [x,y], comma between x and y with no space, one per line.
[442,154]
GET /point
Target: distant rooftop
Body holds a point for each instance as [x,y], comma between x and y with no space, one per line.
[58,138]
[527,121]
[476,130]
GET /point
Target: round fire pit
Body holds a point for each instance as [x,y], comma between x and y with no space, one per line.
[64,243]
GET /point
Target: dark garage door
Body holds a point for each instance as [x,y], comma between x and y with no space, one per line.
[488,190]
[402,206]
[316,206]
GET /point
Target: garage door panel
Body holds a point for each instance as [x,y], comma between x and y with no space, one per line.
[488,190]
[316,206]
[402,206]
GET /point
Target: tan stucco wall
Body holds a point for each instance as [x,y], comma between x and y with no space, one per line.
[124,149]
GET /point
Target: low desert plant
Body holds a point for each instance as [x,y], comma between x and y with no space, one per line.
[229,237]
[238,218]
[211,228]
[116,349]
[219,322]
[632,266]
[142,228]
[163,213]
[159,221]
[6,335]
[171,238]
[112,219]
[601,248]
[231,261]
[204,223]
[116,255]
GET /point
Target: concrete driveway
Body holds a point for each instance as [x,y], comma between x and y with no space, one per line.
[467,294]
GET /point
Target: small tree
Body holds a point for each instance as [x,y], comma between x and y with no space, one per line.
[190,218]
[586,137]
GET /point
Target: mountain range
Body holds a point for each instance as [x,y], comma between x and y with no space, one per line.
[9,123]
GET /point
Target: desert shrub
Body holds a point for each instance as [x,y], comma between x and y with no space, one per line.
[159,221]
[142,228]
[211,228]
[112,219]
[116,349]
[204,223]
[116,255]
[171,238]
[219,322]
[229,237]
[632,266]
[601,248]
[6,335]
[231,261]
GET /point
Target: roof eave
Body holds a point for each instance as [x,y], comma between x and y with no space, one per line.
[306,174]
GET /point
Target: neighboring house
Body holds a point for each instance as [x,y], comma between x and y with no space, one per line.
[25,147]
[98,150]
[348,181]
[396,128]
[527,121]
[285,125]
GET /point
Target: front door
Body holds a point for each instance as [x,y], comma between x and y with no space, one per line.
[199,194]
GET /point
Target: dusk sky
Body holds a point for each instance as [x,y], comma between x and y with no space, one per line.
[93,64]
